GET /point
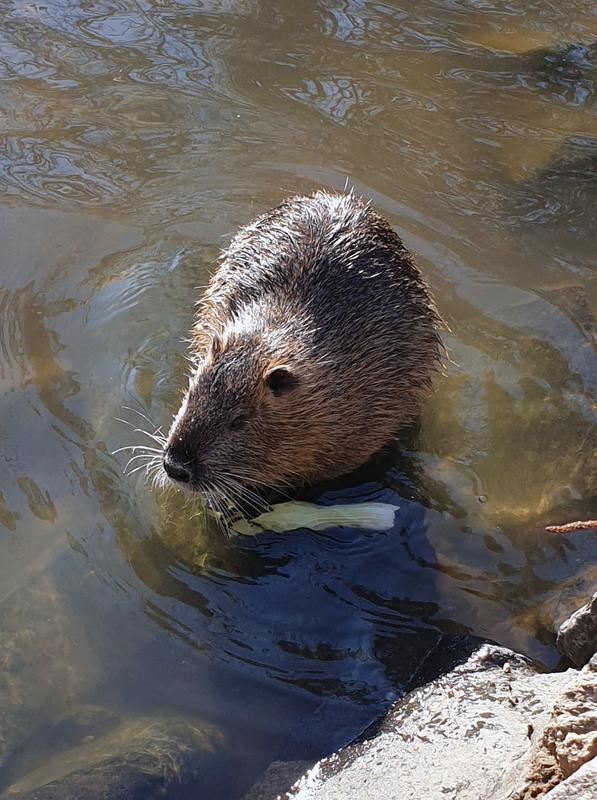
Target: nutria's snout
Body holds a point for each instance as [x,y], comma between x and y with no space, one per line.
[182,465]
[175,469]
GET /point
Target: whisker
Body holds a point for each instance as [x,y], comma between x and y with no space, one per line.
[137,447]
[143,416]
[156,480]
[161,440]
[149,459]
[249,509]
[259,482]
[250,477]
[223,490]
[220,516]
[152,475]
[160,481]
[230,495]
[137,469]
[245,493]
[244,496]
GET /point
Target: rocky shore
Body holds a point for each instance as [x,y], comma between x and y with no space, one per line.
[492,728]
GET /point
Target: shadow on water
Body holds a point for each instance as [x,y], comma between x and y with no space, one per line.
[135,139]
[314,615]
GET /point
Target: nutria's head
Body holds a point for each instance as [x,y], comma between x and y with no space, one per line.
[229,421]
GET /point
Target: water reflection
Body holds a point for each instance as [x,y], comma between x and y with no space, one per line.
[135,138]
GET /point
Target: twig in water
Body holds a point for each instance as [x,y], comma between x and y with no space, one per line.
[571,527]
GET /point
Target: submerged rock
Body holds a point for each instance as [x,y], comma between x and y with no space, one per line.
[577,635]
[276,779]
[140,759]
[45,663]
[57,740]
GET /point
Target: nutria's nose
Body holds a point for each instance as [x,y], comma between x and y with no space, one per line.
[175,470]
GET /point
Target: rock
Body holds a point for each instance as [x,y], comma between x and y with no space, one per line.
[494,703]
[45,662]
[276,779]
[140,759]
[568,741]
[493,728]
[577,636]
[580,786]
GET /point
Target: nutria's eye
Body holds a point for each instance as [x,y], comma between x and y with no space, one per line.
[280,380]
[238,422]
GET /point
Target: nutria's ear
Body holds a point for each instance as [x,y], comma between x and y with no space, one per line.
[217,346]
[213,348]
[280,380]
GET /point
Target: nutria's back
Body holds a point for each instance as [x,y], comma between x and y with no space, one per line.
[313,345]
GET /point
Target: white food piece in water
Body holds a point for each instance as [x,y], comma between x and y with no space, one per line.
[297,514]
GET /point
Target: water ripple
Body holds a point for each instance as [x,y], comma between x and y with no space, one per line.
[47,169]
[12,360]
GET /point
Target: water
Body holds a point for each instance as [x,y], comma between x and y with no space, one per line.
[135,138]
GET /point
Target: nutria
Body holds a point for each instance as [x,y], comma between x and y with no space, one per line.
[314,342]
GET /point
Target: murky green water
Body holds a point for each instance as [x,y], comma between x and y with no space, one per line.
[135,138]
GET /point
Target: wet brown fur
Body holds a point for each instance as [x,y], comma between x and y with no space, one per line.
[323,286]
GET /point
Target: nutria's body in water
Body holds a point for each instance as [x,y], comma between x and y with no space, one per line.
[314,342]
